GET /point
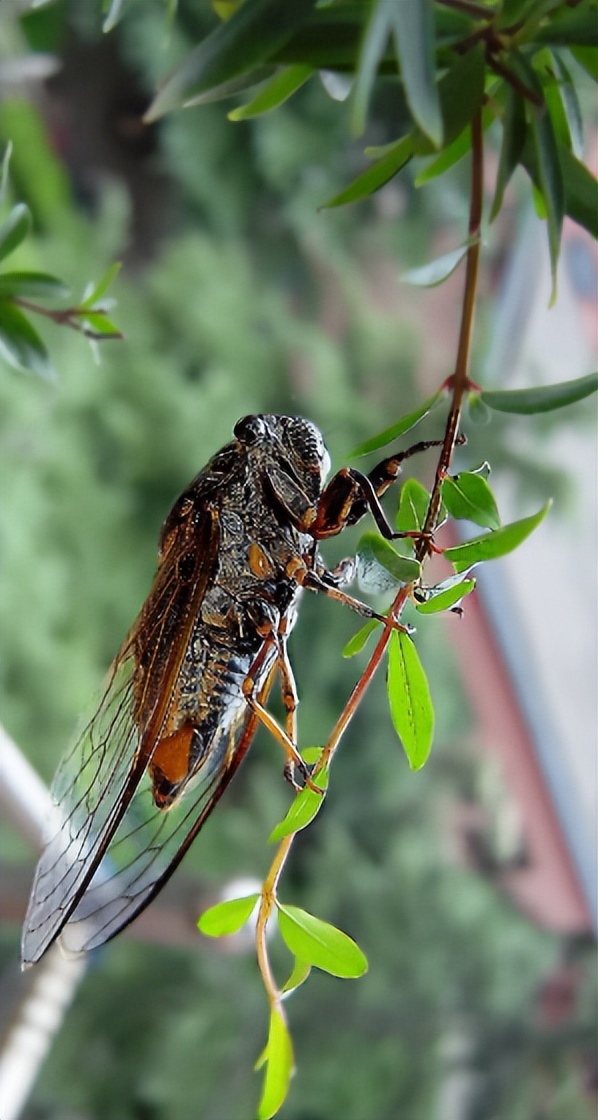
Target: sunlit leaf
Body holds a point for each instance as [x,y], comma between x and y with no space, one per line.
[402,568]
[298,976]
[32,285]
[20,344]
[319,943]
[405,424]
[413,27]
[444,600]
[94,292]
[358,641]
[494,544]
[4,173]
[452,153]
[114,15]
[439,270]
[413,506]
[227,917]
[14,229]
[468,497]
[278,90]
[100,324]
[305,806]
[376,176]
[409,698]
[279,1068]
[542,398]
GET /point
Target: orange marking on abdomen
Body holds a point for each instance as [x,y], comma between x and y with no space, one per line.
[170,764]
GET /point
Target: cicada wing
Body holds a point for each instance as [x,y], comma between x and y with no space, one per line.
[150,842]
[99,774]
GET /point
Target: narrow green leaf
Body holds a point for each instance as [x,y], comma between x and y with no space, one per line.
[413,28]
[298,976]
[276,91]
[279,1068]
[439,270]
[468,497]
[405,424]
[452,153]
[587,57]
[550,175]
[409,698]
[413,506]
[446,599]
[305,806]
[543,398]
[96,291]
[357,642]
[461,92]
[227,917]
[514,130]
[403,569]
[245,41]
[4,174]
[565,91]
[114,15]
[372,51]
[320,944]
[100,324]
[20,344]
[581,192]
[572,27]
[14,229]
[494,544]
[376,176]
[34,285]
[477,411]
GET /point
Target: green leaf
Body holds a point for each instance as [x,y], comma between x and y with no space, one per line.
[246,40]
[413,506]
[14,229]
[305,806]
[94,292]
[494,544]
[413,27]
[572,27]
[409,698]
[35,285]
[514,129]
[403,569]
[100,324]
[372,51]
[20,344]
[569,101]
[461,93]
[439,270]
[376,176]
[581,192]
[320,944]
[444,600]
[276,91]
[298,976]
[543,398]
[477,412]
[227,917]
[4,173]
[279,1058]
[549,171]
[452,153]
[405,424]
[587,57]
[114,14]
[357,642]
[468,497]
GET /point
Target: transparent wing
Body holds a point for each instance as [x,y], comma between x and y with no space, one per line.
[99,775]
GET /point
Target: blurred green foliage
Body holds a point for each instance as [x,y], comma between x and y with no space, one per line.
[234,315]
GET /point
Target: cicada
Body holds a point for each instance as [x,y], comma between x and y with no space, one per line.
[187,689]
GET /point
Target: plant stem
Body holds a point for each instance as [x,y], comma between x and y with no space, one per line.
[460,382]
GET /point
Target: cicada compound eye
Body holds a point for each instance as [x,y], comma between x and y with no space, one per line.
[249,429]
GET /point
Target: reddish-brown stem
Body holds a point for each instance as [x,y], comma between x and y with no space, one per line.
[66,317]
[460,379]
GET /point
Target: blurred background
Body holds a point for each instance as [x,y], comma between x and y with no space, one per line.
[470,885]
